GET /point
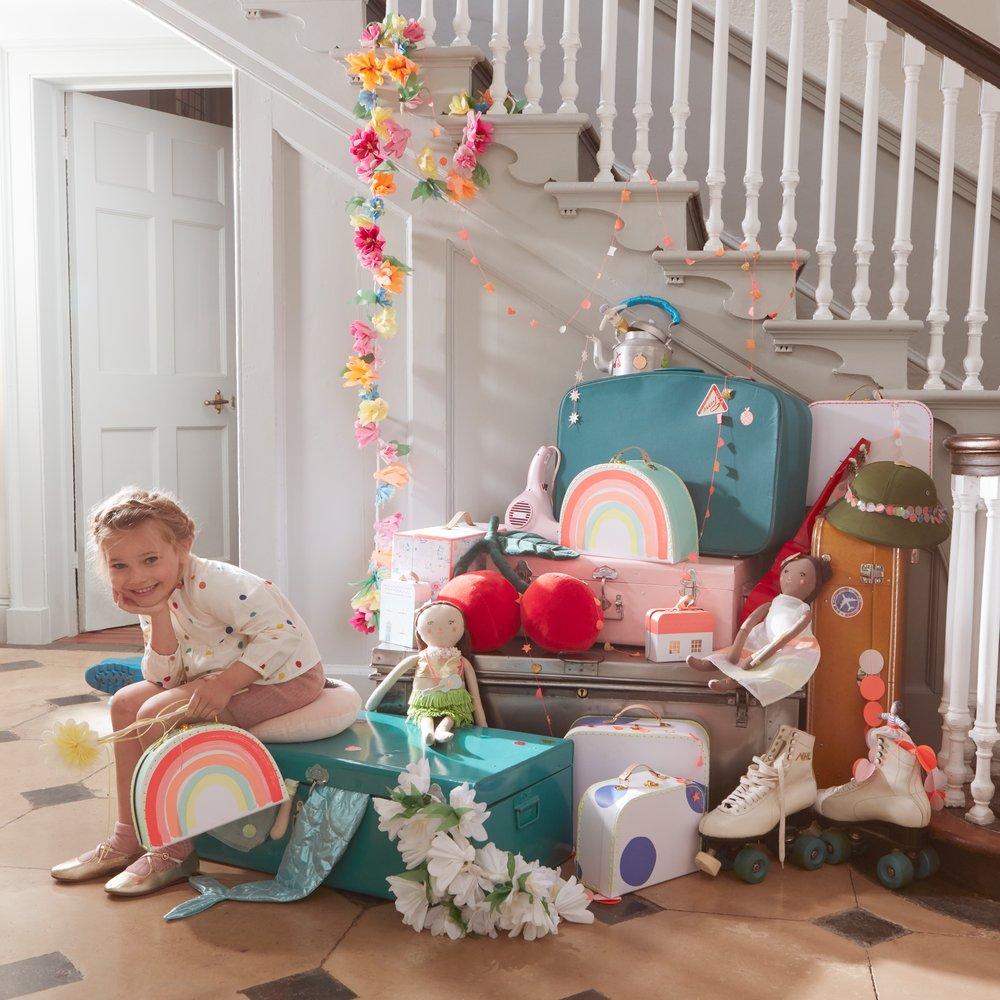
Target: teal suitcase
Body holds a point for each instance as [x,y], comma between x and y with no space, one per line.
[525,780]
[760,487]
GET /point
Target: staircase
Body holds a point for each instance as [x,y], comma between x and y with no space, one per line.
[822,297]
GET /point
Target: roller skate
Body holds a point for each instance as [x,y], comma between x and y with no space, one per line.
[885,802]
[770,807]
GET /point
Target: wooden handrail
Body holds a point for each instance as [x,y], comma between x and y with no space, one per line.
[946,37]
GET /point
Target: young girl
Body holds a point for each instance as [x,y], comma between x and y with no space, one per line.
[218,639]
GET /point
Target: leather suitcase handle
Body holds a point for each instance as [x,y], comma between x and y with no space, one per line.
[648,708]
[624,777]
[649,463]
[462,515]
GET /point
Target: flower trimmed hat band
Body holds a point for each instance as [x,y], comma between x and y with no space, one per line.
[916,515]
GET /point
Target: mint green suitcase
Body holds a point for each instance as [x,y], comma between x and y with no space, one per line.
[525,780]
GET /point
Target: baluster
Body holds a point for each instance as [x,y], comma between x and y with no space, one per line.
[427,21]
[913,60]
[499,46]
[826,247]
[958,628]
[606,109]
[875,35]
[391,7]
[753,178]
[462,23]
[534,46]
[989,107]
[570,42]
[680,109]
[715,179]
[793,117]
[984,733]
[643,109]
[952,81]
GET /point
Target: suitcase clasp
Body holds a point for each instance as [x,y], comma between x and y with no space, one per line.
[603,574]
[872,573]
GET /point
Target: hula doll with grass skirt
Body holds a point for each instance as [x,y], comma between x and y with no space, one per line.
[445,693]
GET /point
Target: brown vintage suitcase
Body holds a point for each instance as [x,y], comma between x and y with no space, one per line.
[861,608]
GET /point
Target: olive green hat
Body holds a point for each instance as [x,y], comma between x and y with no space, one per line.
[892,503]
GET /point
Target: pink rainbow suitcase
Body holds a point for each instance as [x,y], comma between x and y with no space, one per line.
[628,588]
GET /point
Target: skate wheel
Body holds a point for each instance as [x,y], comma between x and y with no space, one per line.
[809,852]
[927,864]
[751,865]
[707,863]
[838,846]
[894,870]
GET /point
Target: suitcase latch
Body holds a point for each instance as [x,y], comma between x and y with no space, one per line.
[603,574]
[742,708]
[523,570]
[872,572]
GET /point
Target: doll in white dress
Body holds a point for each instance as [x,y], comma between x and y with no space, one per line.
[445,693]
[775,651]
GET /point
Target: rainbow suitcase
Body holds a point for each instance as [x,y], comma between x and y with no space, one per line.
[526,782]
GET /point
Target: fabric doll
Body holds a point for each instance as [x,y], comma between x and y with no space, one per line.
[775,651]
[445,692]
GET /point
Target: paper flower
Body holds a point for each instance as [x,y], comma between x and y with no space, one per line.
[480,919]
[364,337]
[365,145]
[388,275]
[365,433]
[478,133]
[465,158]
[361,622]
[368,600]
[386,528]
[426,163]
[461,188]
[375,207]
[395,475]
[385,322]
[381,116]
[416,779]
[471,822]
[572,902]
[399,68]
[493,862]
[390,817]
[395,139]
[414,32]
[388,451]
[358,372]
[369,244]
[74,744]
[367,67]
[459,104]
[411,900]
[383,182]
[372,411]
[382,558]
[446,857]
[441,920]
[415,840]
[371,34]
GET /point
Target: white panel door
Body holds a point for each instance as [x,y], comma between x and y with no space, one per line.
[151,274]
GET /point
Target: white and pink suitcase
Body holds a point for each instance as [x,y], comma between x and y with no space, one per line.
[637,829]
[604,747]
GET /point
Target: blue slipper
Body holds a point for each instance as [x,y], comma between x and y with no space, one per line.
[110,676]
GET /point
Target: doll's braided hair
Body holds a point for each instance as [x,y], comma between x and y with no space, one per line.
[821,567]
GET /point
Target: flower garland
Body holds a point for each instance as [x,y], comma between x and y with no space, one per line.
[467,176]
[378,141]
[454,888]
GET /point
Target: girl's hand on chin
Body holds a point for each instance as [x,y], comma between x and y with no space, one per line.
[131,608]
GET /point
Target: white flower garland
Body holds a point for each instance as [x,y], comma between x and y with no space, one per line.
[454,888]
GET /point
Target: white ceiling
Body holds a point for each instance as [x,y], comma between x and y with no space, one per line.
[24,22]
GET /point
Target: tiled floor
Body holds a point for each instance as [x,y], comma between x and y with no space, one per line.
[834,933]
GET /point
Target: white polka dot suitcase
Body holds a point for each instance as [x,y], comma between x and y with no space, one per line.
[638,829]
[604,746]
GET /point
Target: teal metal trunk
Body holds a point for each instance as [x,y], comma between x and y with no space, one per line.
[525,780]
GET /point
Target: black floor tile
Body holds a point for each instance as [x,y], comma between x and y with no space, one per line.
[58,795]
[73,699]
[31,975]
[952,900]
[861,926]
[19,665]
[317,984]
[629,908]
[8,736]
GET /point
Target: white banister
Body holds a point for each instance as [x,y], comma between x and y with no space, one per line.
[534,46]
[499,46]
[864,246]
[826,247]
[787,224]
[391,7]
[427,21]
[984,733]
[570,42]
[913,60]
[958,631]
[643,109]
[754,178]
[462,23]
[989,107]
[680,109]
[606,110]
[715,179]
[952,81]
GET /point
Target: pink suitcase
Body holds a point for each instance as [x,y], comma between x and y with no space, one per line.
[628,588]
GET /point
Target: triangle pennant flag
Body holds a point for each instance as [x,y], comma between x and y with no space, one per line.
[714,402]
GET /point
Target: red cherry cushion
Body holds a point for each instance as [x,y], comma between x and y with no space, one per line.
[560,613]
[489,604]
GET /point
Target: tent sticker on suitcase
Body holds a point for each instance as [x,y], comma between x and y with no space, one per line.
[630,510]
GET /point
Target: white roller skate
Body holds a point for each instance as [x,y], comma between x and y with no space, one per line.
[772,806]
[886,801]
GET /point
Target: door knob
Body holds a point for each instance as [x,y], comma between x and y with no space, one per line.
[219,401]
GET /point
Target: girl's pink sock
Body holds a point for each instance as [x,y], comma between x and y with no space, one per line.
[123,839]
[180,850]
